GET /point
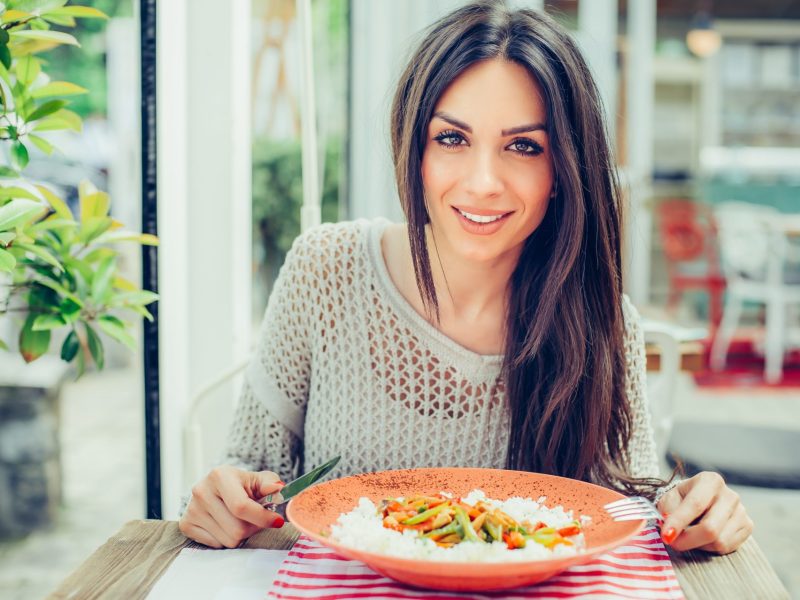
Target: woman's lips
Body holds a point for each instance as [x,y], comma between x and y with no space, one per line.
[482,228]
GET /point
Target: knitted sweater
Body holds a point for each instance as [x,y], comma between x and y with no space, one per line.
[345,366]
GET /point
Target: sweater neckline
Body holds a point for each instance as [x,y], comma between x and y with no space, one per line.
[414,320]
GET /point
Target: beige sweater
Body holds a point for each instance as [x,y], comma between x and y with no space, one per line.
[345,366]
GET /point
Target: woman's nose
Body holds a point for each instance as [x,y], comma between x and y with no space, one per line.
[484,177]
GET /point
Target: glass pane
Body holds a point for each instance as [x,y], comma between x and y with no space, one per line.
[277,171]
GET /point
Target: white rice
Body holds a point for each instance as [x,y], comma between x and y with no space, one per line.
[362,529]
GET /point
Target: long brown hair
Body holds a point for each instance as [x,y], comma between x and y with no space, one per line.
[564,364]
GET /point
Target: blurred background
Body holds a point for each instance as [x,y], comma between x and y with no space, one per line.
[703,103]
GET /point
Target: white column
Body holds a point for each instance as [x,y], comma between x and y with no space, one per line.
[640,95]
[597,36]
[203,211]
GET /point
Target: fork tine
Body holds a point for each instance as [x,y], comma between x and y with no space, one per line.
[632,505]
[636,511]
[632,509]
[624,501]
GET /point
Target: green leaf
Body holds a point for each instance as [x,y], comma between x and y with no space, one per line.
[121,283]
[7,237]
[28,69]
[55,37]
[5,57]
[63,119]
[17,212]
[57,287]
[4,37]
[80,364]
[12,191]
[101,281]
[14,15]
[62,20]
[98,254]
[116,329]
[3,345]
[48,108]
[94,227]
[37,6]
[70,347]
[69,310]
[32,344]
[82,12]
[41,253]
[7,261]
[48,322]
[58,205]
[146,239]
[94,205]
[139,298]
[39,24]
[95,345]
[141,310]
[50,223]
[58,88]
[42,144]
[8,172]
[19,155]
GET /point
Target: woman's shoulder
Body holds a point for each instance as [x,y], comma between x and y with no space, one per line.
[630,314]
[330,240]
[332,248]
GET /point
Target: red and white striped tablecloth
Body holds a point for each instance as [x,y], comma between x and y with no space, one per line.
[639,569]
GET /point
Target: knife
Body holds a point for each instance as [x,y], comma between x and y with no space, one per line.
[296,486]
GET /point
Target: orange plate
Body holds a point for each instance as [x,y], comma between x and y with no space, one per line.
[315,509]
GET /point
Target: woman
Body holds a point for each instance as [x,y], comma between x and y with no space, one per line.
[491,329]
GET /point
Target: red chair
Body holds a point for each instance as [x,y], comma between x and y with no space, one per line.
[689,239]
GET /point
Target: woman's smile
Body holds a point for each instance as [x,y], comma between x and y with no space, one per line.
[481,221]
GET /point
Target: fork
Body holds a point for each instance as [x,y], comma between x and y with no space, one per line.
[633,509]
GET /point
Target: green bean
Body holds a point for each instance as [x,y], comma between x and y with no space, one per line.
[424,516]
[469,532]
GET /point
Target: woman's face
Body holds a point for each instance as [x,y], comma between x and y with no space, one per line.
[487,167]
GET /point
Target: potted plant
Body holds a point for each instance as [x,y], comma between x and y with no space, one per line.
[59,271]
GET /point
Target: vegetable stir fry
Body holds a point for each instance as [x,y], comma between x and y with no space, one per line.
[450,521]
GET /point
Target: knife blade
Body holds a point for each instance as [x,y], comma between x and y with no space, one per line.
[296,486]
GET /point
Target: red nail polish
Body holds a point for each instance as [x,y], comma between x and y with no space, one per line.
[280,483]
[669,535]
[278,522]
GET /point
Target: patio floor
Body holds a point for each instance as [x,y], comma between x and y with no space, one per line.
[103,457]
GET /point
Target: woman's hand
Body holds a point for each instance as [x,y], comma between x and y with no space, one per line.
[703,512]
[223,510]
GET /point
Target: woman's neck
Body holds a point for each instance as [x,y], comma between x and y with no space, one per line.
[467,289]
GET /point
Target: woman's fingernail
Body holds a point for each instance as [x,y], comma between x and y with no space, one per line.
[278,522]
[280,483]
[668,535]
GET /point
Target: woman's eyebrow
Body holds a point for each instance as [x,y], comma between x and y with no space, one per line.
[505,132]
[523,129]
[453,121]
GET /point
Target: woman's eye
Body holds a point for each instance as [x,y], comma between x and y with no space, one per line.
[526,147]
[450,139]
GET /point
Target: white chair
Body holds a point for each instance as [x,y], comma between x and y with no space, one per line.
[200,451]
[661,386]
[755,255]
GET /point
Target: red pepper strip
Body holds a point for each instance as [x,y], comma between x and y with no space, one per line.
[571,530]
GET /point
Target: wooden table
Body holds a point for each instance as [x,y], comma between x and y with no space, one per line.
[693,357]
[128,565]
